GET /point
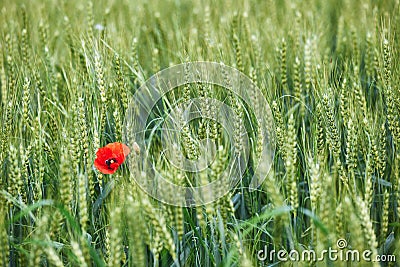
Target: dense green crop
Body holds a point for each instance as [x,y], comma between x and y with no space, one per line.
[328,69]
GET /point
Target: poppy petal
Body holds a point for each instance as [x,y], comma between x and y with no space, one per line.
[109,158]
[104,153]
[126,150]
[119,151]
[103,168]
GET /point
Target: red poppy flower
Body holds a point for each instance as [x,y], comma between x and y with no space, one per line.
[110,157]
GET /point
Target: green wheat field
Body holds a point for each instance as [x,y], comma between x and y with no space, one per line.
[328,69]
